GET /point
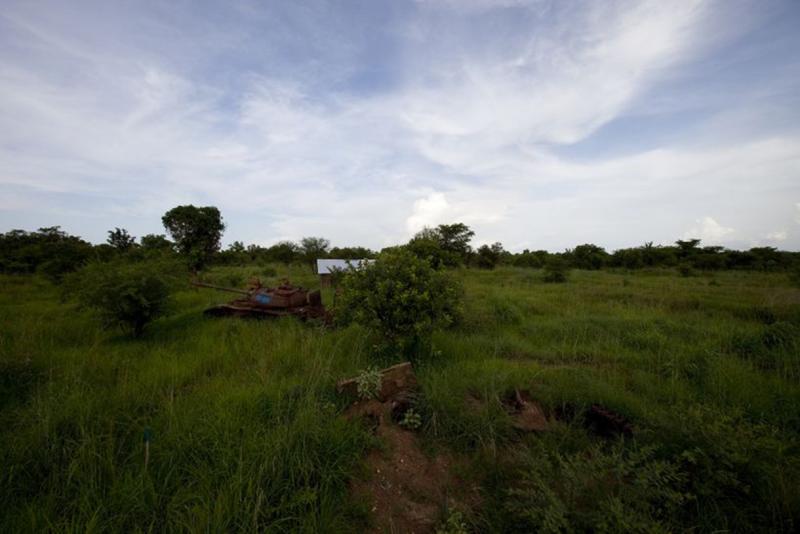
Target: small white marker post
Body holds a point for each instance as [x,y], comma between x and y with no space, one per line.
[148,435]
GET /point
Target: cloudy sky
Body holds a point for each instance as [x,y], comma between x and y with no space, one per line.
[541,124]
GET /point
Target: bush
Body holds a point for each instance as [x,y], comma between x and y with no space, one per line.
[401,296]
[686,270]
[128,295]
[555,270]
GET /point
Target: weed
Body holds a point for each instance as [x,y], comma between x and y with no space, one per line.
[411,419]
[368,383]
[454,524]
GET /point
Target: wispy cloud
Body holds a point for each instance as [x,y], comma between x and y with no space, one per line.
[365,126]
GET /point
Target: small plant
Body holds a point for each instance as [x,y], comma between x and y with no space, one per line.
[411,419]
[269,272]
[368,383]
[453,525]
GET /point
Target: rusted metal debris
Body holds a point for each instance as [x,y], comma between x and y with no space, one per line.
[259,301]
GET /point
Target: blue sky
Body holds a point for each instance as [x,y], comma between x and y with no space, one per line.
[541,123]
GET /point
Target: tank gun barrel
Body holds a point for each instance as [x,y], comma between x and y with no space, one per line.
[220,288]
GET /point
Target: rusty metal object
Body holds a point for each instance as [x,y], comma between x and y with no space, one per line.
[259,301]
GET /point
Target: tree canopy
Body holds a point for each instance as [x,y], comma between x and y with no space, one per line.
[197,232]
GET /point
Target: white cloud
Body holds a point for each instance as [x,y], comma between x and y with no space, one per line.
[428,211]
[779,235]
[709,231]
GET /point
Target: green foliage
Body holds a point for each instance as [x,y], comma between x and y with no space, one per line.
[400,296]
[197,232]
[454,524]
[155,243]
[587,256]
[487,257]
[351,253]
[411,419]
[50,251]
[368,383]
[555,270]
[121,240]
[446,245]
[129,295]
[314,248]
[599,490]
[428,249]
[248,434]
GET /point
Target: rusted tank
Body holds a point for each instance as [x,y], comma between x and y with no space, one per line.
[260,301]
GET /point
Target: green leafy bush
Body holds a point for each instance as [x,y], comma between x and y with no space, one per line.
[400,296]
[128,295]
[555,270]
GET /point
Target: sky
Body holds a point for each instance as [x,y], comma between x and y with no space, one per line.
[541,124]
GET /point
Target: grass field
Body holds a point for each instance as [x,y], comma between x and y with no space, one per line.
[246,432]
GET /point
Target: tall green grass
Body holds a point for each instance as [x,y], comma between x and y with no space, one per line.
[246,433]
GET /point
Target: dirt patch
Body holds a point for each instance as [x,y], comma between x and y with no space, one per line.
[406,489]
[526,414]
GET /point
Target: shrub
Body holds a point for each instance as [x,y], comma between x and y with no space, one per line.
[555,270]
[401,296]
[128,295]
[685,270]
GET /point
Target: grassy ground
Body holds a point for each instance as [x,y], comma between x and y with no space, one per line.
[245,433]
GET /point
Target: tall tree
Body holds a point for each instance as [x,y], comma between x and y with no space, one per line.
[120,239]
[196,231]
[455,238]
[314,248]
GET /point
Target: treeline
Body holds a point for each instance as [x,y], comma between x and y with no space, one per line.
[196,233]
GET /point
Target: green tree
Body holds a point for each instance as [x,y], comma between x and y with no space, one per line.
[120,239]
[285,252]
[314,248]
[588,256]
[196,231]
[155,242]
[489,256]
[452,240]
[400,296]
